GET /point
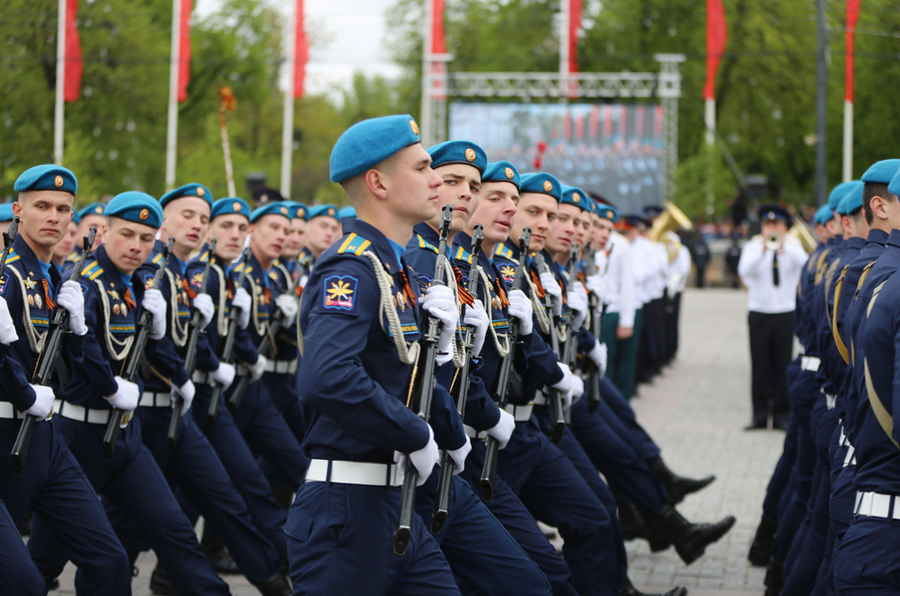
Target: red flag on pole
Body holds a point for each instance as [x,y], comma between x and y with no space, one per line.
[74,62]
[301,52]
[184,59]
[574,26]
[852,18]
[438,42]
[716,40]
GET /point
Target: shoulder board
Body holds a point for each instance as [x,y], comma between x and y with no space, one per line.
[273,274]
[426,244]
[463,255]
[73,256]
[503,251]
[12,257]
[92,271]
[303,258]
[355,244]
[240,268]
[204,256]
[276,262]
[157,259]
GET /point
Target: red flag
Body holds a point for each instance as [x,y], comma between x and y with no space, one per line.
[438,43]
[594,122]
[579,127]
[716,40]
[301,52]
[658,121]
[639,123]
[74,62]
[567,125]
[184,46]
[574,26]
[852,18]
[607,122]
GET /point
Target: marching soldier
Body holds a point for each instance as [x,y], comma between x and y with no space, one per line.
[92,216]
[65,254]
[323,228]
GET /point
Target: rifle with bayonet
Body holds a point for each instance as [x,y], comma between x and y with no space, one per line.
[422,391]
[506,375]
[228,345]
[460,391]
[190,354]
[48,360]
[554,396]
[131,367]
[570,347]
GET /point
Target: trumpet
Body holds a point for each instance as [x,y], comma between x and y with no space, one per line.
[774,241]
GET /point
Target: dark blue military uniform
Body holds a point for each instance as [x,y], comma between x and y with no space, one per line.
[18,575]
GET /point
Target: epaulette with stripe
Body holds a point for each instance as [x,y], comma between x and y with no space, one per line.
[240,268]
[354,244]
[12,257]
[73,256]
[504,251]
[157,259]
[426,244]
[92,271]
[462,255]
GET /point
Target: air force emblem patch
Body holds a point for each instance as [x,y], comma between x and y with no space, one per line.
[339,292]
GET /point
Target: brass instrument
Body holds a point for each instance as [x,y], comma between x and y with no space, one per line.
[800,231]
[672,218]
[774,241]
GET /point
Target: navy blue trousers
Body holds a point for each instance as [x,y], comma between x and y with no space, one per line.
[18,574]
[781,477]
[285,395]
[617,403]
[867,561]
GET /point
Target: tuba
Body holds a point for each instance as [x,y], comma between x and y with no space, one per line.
[800,231]
[672,218]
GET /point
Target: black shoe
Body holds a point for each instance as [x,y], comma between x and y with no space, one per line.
[690,540]
[54,585]
[277,585]
[223,563]
[25,530]
[780,424]
[629,590]
[761,549]
[630,520]
[159,582]
[774,578]
[677,486]
[757,426]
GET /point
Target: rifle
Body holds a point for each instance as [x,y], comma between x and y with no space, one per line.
[131,366]
[47,361]
[505,375]
[190,355]
[265,349]
[422,391]
[570,347]
[228,346]
[596,315]
[442,498]
[8,236]
[557,416]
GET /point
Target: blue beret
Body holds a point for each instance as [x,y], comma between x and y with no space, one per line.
[458,152]
[837,193]
[75,217]
[318,210]
[775,212]
[47,177]
[575,196]
[297,210]
[823,215]
[137,207]
[229,206]
[346,212]
[541,183]
[188,190]
[882,172]
[653,211]
[501,171]
[894,185]
[6,213]
[853,200]
[271,209]
[607,212]
[368,143]
[92,209]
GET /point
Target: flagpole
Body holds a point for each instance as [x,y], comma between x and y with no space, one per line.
[287,128]
[848,140]
[564,50]
[172,132]
[59,108]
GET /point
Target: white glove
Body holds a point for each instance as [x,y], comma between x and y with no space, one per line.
[577,388]
[521,309]
[596,284]
[578,304]
[598,356]
[242,301]
[440,303]
[71,299]
[476,316]
[423,460]
[503,430]
[154,303]
[458,456]
[7,329]
[551,286]
[43,401]
[204,305]
[287,304]
[186,392]
[126,396]
[224,375]
[569,387]
[257,368]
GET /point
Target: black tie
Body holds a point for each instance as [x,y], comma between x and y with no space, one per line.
[775,278]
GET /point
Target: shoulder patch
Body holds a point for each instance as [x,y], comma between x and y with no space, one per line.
[508,272]
[355,244]
[426,244]
[148,280]
[339,292]
[3,284]
[196,279]
[503,251]
[463,255]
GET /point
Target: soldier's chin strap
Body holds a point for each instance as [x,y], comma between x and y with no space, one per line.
[408,353]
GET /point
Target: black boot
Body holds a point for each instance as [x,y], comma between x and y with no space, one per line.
[277,585]
[690,540]
[677,486]
[761,549]
[774,579]
[159,582]
[630,520]
[629,590]
[216,553]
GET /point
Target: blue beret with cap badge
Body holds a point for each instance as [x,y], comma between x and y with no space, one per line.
[136,207]
[188,190]
[230,206]
[271,209]
[541,183]
[458,152]
[572,195]
[366,144]
[47,177]
[501,171]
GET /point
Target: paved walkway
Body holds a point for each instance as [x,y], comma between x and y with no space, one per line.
[695,411]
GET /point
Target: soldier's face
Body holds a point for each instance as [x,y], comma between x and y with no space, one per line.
[583,232]
[44,215]
[409,185]
[267,235]
[603,229]
[295,240]
[87,222]
[538,212]
[321,232]
[229,232]
[496,211]
[562,234]
[128,244]
[187,221]
[67,244]
[460,189]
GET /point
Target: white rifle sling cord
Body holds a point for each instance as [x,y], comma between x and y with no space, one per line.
[113,345]
[501,343]
[179,331]
[408,353]
[35,338]
[261,328]
[539,310]
[459,353]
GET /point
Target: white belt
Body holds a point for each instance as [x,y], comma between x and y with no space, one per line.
[156,400]
[842,440]
[540,399]
[810,363]
[202,378]
[353,472]
[82,414]
[520,413]
[877,505]
[8,411]
[474,434]
[850,458]
[281,367]
[830,401]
